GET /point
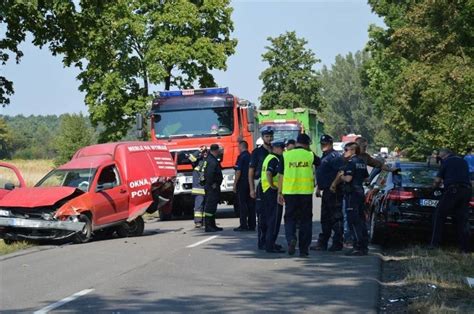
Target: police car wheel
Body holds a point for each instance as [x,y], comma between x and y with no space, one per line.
[136,227]
[85,235]
[375,234]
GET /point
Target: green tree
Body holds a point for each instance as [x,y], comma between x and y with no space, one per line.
[348,109]
[133,45]
[290,81]
[74,133]
[50,22]
[422,75]
[6,139]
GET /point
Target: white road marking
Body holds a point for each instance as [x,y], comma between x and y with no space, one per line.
[202,241]
[63,301]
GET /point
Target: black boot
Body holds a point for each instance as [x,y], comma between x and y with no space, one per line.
[208,226]
[214,224]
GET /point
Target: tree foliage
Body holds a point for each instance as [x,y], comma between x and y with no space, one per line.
[74,133]
[124,48]
[290,81]
[6,139]
[421,75]
[49,22]
[348,109]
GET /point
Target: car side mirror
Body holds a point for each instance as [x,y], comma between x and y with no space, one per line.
[9,186]
[104,186]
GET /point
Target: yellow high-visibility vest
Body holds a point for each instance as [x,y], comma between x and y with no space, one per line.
[298,177]
[263,175]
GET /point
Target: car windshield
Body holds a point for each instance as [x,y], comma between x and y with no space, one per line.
[194,122]
[415,176]
[76,178]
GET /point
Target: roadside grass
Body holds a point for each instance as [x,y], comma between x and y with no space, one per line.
[7,249]
[434,280]
[32,170]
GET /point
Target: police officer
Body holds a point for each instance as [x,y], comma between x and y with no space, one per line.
[454,173]
[290,144]
[295,190]
[331,203]
[255,169]
[198,161]
[352,176]
[242,190]
[213,179]
[273,211]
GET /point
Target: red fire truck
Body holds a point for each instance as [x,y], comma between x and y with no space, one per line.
[185,120]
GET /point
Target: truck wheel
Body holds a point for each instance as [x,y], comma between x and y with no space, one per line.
[136,227]
[85,234]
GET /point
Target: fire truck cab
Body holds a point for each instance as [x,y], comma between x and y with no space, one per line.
[185,120]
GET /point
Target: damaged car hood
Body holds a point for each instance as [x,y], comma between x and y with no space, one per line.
[37,196]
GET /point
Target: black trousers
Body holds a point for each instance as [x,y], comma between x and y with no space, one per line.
[261,218]
[273,215]
[331,218]
[246,207]
[455,202]
[212,200]
[299,211]
[354,203]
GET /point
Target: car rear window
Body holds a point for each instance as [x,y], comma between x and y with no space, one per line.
[416,176]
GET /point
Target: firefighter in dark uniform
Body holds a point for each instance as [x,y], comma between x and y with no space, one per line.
[198,161]
[353,176]
[295,190]
[242,190]
[454,173]
[213,179]
[273,211]
[255,169]
[331,203]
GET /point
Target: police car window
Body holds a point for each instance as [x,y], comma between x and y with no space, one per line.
[109,175]
[382,179]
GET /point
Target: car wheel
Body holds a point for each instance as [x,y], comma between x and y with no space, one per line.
[85,234]
[123,230]
[136,227]
[375,234]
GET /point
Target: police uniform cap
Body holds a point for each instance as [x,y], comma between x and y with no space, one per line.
[326,139]
[304,139]
[266,130]
[278,143]
[214,147]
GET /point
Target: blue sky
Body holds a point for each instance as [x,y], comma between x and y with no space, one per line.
[43,86]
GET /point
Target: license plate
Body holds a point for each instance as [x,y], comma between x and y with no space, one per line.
[429,203]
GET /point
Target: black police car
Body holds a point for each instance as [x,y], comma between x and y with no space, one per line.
[404,201]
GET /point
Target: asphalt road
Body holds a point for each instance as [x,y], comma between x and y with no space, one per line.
[176,268]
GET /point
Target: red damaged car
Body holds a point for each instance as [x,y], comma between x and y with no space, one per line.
[105,187]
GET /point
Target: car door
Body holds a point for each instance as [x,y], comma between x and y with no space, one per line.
[110,196]
[10,178]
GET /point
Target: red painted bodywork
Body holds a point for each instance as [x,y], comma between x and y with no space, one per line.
[228,142]
[12,168]
[145,170]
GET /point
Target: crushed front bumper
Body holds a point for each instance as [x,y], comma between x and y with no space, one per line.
[36,229]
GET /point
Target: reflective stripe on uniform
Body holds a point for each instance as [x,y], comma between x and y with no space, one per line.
[198,191]
[198,214]
[298,177]
[208,215]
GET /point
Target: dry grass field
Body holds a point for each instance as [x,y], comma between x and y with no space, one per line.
[32,170]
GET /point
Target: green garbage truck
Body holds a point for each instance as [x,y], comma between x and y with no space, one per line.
[288,123]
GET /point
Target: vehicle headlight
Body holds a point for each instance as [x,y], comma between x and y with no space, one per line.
[5,213]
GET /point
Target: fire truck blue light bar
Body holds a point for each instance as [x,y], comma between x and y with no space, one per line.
[191,92]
